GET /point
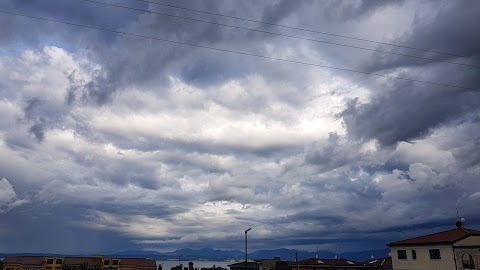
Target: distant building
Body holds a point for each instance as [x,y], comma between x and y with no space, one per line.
[258,264]
[456,249]
[380,263]
[324,264]
[252,265]
[213,268]
[341,264]
[56,263]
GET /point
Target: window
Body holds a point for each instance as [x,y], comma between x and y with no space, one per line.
[414,254]
[467,262]
[58,261]
[435,254]
[49,261]
[106,262]
[115,262]
[402,254]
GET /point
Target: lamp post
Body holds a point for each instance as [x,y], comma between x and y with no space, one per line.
[246,256]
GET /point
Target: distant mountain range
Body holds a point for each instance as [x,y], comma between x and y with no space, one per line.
[188,254]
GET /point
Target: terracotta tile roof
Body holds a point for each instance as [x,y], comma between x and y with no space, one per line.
[25,260]
[328,262]
[82,260]
[445,237]
[140,262]
[383,262]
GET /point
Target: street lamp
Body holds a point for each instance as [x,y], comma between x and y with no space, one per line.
[246,256]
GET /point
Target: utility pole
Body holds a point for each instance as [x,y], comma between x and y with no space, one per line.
[246,250]
[296,259]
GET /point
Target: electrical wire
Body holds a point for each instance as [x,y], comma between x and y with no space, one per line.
[240,53]
[309,30]
[283,35]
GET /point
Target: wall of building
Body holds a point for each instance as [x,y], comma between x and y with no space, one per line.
[463,252]
[55,263]
[465,247]
[423,261]
[469,241]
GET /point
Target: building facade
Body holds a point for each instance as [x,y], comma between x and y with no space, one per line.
[340,264]
[457,249]
[259,264]
[252,265]
[94,262]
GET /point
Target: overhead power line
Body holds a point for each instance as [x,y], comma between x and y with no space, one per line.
[239,52]
[279,34]
[308,30]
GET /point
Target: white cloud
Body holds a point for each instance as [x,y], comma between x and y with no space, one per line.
[8,198]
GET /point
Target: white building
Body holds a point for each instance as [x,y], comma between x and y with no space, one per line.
[457,249]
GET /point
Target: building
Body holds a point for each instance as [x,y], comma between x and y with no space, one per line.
[93,262]
[252,265]
[457,249]
[324,264]
[380,263]
[270,264]
[23,263]
[259,264]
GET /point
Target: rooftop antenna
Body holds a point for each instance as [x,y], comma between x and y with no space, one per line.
[460,220]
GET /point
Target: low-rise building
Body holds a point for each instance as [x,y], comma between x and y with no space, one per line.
[324,264]
[457,249]
[57,263]
[380,263]
[23,263]
[252,265]
[258,264]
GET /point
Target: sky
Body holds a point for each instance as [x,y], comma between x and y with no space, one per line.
[180,133]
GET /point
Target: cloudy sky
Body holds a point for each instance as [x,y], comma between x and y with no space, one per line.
[137,141]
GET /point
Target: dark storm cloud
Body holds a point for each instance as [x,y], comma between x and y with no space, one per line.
[407,112]
[352,10]
[449,31]
[331,154]
[279,10]
[466,146]
[42,33]
[404,111]
[39,115]
[32,114]
[197,66]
